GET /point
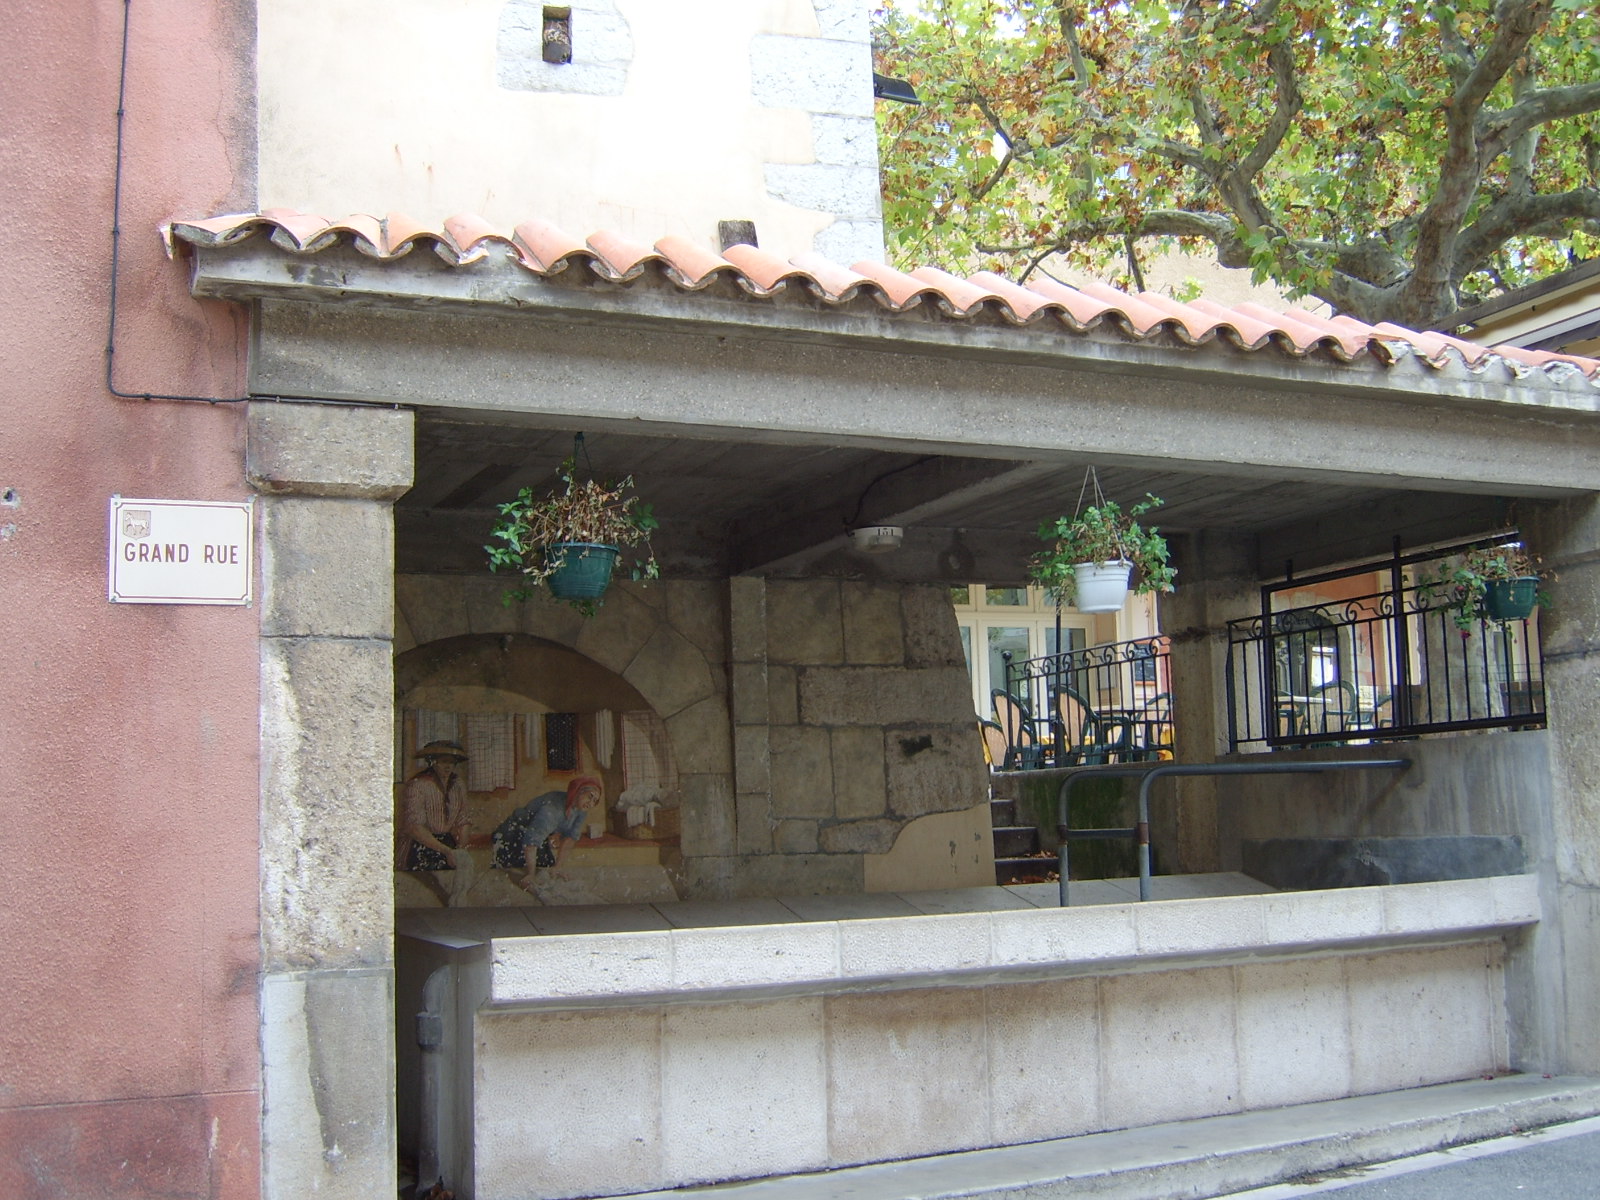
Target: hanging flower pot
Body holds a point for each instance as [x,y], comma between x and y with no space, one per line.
[1510,599]
[571,538]
[580,570]
[1089,556]
[1498,582]
[1101,587]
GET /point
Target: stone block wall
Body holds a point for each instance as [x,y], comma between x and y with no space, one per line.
[811,721]
[787,1048]
[852,718]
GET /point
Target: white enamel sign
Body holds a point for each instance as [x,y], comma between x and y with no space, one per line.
[180,551]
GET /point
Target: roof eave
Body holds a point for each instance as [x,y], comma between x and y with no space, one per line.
[255,269]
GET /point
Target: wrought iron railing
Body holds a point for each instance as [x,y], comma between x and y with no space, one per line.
[1385,660]
[1110,703]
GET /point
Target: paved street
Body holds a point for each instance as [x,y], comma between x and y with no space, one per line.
[1561,1161]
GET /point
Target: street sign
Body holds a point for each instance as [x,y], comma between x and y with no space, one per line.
[180,551]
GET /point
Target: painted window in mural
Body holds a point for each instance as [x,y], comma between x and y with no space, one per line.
[561,741]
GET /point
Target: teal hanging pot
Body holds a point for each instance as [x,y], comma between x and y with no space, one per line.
[1510,599]
[583,571]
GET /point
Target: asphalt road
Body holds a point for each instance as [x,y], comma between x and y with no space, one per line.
[1562,1162]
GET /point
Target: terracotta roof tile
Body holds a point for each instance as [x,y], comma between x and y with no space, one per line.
[617,258]
[544,250]
[1022,302]
[1143,318]
[960,296]
[1248,332]
[692,266]
[834,283]
[468,232]
[901,291]
[1079,311]
[1197,326]
[764,273]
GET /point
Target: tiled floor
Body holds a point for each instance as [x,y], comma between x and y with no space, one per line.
[476,923]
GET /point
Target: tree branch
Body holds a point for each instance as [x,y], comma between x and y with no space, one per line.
[1539,106]
[1521,215]
[1067,17]
[1458,59]
[1423,298]
[1287,108]
[1000,131]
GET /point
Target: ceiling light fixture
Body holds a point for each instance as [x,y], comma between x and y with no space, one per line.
[877,539]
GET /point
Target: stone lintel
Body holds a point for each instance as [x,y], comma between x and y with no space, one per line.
[338,450]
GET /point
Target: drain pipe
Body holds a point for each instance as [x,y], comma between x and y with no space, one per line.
[437,993]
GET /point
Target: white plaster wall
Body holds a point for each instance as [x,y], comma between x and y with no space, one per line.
[723,109]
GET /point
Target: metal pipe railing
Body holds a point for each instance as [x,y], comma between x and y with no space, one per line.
[1140,832]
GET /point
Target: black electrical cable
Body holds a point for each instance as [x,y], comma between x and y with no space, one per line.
[116,245]
[116,251]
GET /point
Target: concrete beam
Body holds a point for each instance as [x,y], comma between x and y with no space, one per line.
[343,277]
[679,381]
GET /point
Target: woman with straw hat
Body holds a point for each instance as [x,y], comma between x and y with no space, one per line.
[433,811]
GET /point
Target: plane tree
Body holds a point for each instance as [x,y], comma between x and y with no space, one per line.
[1399,160]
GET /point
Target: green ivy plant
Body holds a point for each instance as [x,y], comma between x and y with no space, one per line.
[588,510]
[1461,586]
[1102,533]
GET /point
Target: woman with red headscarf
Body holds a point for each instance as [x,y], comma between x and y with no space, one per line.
[553,818]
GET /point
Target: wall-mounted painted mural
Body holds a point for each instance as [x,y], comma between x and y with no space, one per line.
[540,777]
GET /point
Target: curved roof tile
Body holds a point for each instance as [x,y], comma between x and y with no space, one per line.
[545,250]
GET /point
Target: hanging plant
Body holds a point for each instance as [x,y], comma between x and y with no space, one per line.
[1488,584]
[1102,541]
[571,539]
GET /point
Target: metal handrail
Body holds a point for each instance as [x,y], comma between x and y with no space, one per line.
[1140,833]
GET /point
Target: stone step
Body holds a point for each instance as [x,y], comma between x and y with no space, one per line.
[1005,785]
[1031,869]
[1210,1156]
[1015,841]
[1002,813]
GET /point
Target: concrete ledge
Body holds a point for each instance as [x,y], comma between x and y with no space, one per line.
[1208,1157]
[686,966]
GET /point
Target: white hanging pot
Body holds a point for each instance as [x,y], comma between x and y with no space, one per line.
[1100,587]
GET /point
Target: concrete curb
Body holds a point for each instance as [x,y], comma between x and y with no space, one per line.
[1190,1160]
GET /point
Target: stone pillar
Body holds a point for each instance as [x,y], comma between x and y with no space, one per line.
[752,723]
[1216,584]
[1557,975]
[329,475]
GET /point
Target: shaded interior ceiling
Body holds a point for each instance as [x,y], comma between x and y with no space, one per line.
[783,509]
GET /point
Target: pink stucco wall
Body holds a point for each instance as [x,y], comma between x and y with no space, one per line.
[129,931]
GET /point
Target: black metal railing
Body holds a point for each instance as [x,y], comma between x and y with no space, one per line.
[1386,660]
[1110,703]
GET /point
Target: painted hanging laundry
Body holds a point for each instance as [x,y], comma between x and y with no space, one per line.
[492,746]
[436,726]
[605,737]
[532,723]
[646,752]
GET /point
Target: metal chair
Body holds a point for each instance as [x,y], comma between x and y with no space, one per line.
[994,743]
[1090,738]
[1015,719]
